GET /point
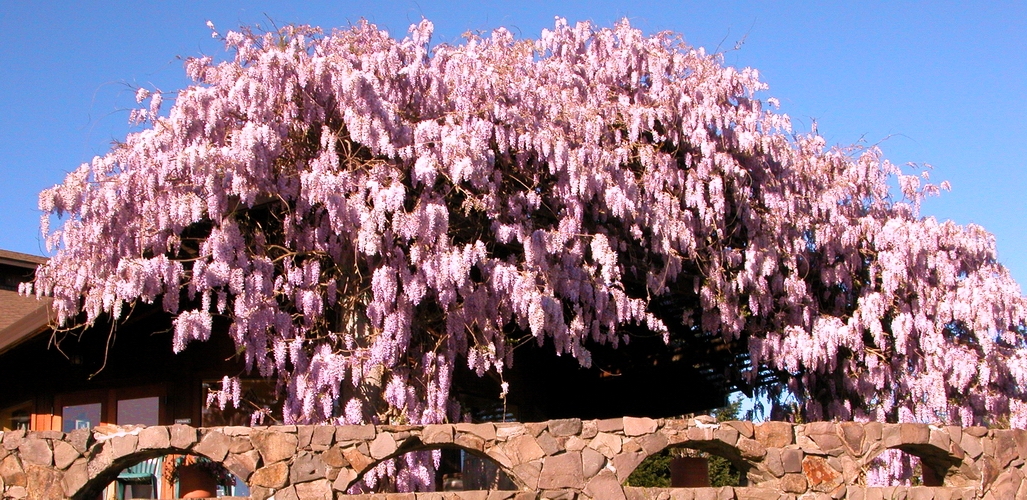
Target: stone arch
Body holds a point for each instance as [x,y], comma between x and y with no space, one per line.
[103,470]
[111,453]
[732,441]
[388,447]
[941,458]
[940,468]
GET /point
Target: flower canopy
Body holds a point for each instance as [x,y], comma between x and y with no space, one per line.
[366,213]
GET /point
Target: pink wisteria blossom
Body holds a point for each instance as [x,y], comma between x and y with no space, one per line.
[368,213]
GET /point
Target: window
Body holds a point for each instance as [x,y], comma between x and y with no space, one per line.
[83,416]
[142,405]
[16,417]
[144,411]
[257,394]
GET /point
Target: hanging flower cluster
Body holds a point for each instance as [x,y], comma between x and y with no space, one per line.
[368,212]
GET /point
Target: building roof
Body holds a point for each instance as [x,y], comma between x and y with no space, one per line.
[21,317]
[20,259]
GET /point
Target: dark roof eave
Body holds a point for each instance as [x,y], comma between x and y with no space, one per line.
[19,259]
[30,325]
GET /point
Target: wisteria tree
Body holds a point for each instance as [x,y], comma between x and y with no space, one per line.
[367,212]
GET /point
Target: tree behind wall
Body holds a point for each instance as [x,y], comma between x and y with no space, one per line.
[370,212]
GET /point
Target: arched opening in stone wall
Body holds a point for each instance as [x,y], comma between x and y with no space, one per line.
[906,466]
[433,469]
[192,474]
[691,465]
[162,473]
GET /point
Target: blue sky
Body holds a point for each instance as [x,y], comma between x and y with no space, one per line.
[943,83]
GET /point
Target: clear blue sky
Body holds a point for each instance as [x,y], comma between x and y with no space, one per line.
[943,83]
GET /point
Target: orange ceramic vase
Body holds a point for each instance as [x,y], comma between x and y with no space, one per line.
[196,482]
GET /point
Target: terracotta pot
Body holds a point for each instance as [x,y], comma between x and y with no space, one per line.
[195,482]
[689,472]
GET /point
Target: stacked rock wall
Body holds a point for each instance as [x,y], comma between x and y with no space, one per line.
[555,459]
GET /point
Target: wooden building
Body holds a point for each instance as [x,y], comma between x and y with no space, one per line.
[103,375]
[127,373]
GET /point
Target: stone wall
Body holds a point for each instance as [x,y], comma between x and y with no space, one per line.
[556,459]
